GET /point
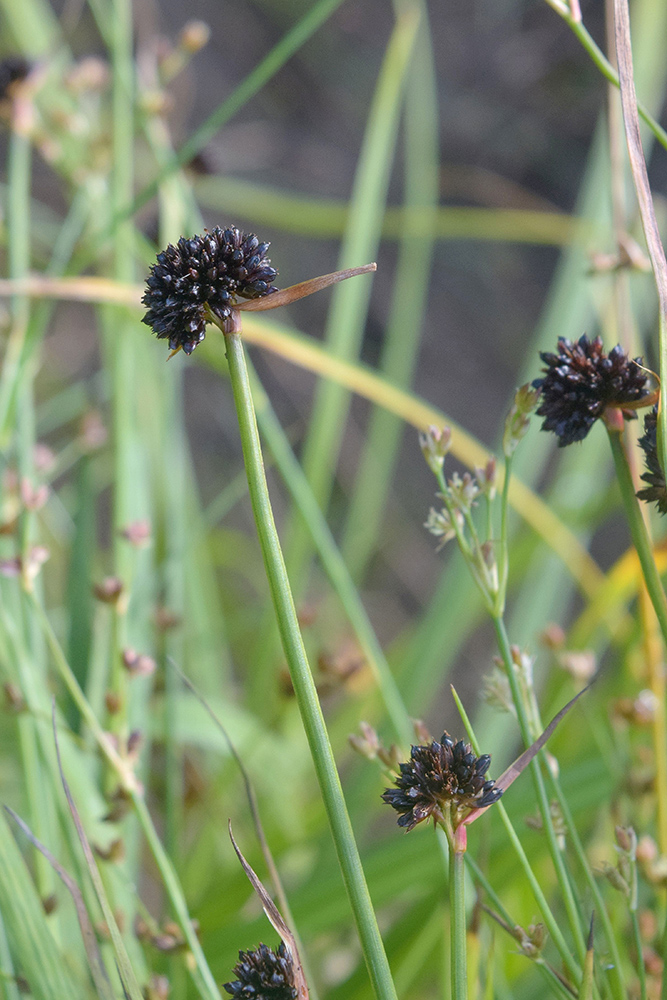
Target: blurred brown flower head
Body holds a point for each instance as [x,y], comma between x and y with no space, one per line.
[264,975]
[439,779]
[581,381]
[656,491]
[212,270]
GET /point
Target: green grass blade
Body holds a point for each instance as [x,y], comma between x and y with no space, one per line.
[324,218]
[33,949]
[350,300]
[403,333]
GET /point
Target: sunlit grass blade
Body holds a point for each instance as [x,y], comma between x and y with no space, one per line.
[362,380]
[324,218]
[328,552]
[349,304]
[410,293]
[262,73]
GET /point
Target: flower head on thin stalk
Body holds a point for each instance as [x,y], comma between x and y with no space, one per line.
[264,974]
[656,491]
[214,277]
[213,270]
[443,781]
[581,381]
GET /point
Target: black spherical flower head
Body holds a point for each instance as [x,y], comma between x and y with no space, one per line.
[656,491]
[212,270]
[581,381]
[264,975]
[442,778]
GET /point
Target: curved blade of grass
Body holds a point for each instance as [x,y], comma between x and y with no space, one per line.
[644,197]
[97,969]
[276,920]
[201,972]
[125,970]
[358,378]
[252,802]
[263,72]
[409,298]
[34,26]
[32,945]
[603,64]
[326,217]
[349,304]
[421,415]
[540,898]
[332,560]
[620,587]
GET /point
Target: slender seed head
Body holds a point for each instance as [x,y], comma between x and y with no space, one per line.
[264,975]
[445,777]
[212,270]
[656,491]
[581,381]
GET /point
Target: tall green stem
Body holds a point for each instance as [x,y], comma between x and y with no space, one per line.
[457,917]
[302,680]
[540,791]
[638,531]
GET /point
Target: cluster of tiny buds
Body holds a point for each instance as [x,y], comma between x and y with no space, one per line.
[531,940]
[622,877]
[367,744]
[526,399]
[435,443]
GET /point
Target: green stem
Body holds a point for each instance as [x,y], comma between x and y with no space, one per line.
[504,559]
[332,561]
[606,68]
[549,920]
[540,791]
[457,917]
[638,532]
[302,680]
[641,970]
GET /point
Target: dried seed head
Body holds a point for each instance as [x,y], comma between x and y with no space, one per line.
[212,270]
[264,975]
[442,777]
[656,491]
[581,381]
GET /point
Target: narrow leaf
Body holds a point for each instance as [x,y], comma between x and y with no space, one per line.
[32,946]
[522,762]
[275,919]
[587,984]
[285,296]
[125,970]
[98,971]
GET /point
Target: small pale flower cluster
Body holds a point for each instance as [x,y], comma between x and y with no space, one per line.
[460,494]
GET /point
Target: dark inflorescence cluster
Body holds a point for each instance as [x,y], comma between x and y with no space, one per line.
[440,776]
[13,70]
[264,974]
[213,270]
[581,381]
[656,491]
